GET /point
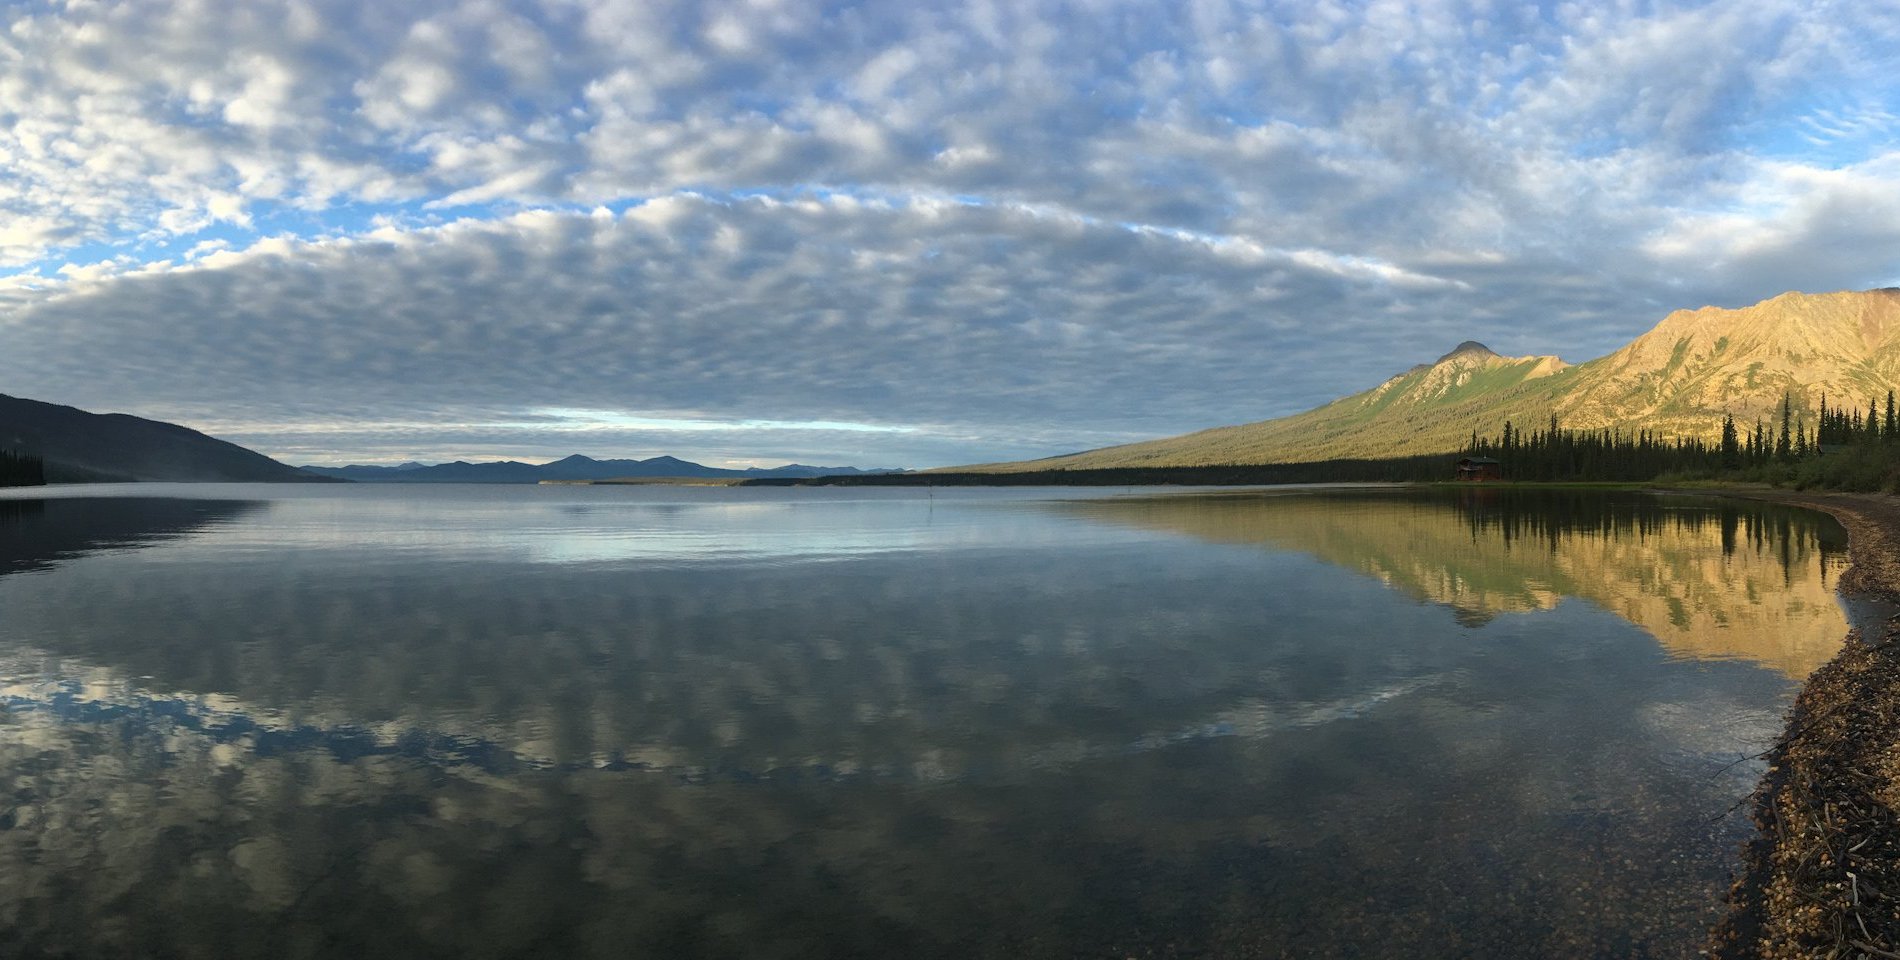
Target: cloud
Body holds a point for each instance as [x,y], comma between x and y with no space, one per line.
[1222,117]
[1792,226]
[985,218]
[915,317]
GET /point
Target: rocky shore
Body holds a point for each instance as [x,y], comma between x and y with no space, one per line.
[1823,876]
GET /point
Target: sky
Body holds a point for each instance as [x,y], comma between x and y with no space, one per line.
[747,232]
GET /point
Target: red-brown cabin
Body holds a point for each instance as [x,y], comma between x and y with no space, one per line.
[1479,469]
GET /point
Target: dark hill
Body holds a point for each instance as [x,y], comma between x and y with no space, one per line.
[81,447]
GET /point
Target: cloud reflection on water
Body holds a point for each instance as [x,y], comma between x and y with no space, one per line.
[1033,734]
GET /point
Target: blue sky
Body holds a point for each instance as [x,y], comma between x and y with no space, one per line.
[757,231]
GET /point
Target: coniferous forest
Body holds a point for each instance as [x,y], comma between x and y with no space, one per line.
[21,470]
[1847,449]
[1556,453]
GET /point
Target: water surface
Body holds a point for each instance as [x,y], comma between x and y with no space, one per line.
[558,721]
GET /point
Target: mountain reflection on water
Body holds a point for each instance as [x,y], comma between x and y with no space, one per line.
[36,534]
[382,723]
[1709,579]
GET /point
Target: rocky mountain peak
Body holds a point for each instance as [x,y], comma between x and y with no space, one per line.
[1469,348]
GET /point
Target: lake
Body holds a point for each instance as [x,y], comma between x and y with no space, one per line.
[388,721]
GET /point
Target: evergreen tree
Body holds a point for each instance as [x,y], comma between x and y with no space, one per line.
[1784,443]
[21,470]
[1554,453]
[1731,445]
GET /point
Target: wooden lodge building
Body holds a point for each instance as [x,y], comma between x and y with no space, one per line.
[1479,469]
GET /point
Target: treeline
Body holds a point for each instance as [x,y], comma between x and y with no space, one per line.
[1860,450]
[1556,453]
[1845,427]
[1848,449]
[1397,470]
[21,470]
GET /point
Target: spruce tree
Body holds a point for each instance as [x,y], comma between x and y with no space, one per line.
[1731,445]
[1784,443]
[21,470]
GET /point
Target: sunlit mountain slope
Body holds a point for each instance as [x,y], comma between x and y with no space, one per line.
[1679,379]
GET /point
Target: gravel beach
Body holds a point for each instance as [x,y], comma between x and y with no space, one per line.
[1823,876]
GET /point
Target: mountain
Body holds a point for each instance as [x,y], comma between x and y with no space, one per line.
[81,447]
[1678,380]
[576,467]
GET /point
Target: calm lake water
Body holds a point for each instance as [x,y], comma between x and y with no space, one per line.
[712,722]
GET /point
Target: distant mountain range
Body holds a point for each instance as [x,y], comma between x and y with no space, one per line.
[81,447]
[576,467]
[1678,380]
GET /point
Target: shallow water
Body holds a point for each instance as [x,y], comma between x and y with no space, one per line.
[678,722]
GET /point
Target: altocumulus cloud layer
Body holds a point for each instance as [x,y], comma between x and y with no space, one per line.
[892,233]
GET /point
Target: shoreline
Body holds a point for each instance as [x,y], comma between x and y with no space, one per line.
[1822,876]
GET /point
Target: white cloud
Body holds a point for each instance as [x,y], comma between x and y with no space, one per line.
[893,317]
[1224,117]
[1795,226]
[1444,169]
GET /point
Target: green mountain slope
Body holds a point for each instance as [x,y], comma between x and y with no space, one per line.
[1678,380]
